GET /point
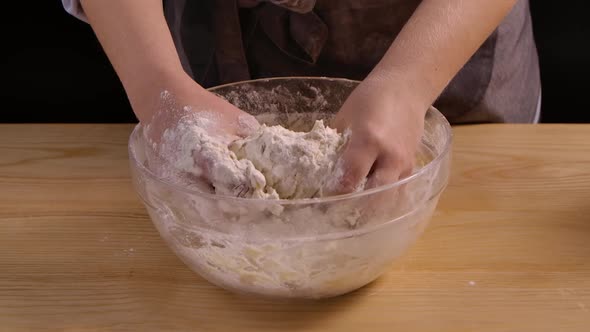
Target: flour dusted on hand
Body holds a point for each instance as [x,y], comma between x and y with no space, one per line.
[191,148]
[273,162]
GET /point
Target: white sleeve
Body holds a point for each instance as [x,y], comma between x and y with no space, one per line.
[73,7]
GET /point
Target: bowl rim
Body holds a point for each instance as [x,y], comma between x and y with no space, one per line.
[432,164]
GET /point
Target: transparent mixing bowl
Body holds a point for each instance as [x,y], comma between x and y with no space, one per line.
[305,248]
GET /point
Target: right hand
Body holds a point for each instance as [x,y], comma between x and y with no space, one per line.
[386,129]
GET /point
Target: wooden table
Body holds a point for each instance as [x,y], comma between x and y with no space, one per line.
[508,249]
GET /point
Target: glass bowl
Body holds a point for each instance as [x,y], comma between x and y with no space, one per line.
[304,248]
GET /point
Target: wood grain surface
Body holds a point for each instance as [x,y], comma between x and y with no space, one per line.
[507,250]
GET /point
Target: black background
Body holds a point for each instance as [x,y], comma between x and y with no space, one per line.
[53,69]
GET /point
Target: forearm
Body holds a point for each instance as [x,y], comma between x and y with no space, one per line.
[435,43]
[136,38]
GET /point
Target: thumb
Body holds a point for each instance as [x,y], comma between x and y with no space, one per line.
[247,124]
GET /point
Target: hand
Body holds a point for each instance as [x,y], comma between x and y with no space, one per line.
[385,132]
[185,98]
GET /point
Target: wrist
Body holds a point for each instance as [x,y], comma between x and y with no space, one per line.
[146,78]
[411,98]
[144,90]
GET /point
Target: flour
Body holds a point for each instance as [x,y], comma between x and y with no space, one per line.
[273,162]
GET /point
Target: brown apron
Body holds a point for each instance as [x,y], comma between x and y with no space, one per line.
[218,42]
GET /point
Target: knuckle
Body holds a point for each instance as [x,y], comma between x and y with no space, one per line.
[400,158]
[375,137]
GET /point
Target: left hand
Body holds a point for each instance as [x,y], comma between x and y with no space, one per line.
[386,127]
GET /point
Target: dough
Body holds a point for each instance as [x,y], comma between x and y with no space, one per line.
[294,164]
[273,162]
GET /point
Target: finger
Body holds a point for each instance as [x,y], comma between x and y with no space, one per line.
[352,168]
[382,176]
[389,169]
[234,120]
[247,124]
[384,204]
[407,168]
